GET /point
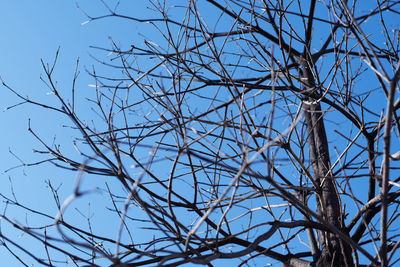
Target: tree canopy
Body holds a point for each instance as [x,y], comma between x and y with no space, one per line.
[253,132]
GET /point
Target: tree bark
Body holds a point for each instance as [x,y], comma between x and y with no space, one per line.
[334,252]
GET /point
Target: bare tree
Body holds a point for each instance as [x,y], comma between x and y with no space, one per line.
[252,131]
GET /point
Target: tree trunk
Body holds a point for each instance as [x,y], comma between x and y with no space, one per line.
[334,252]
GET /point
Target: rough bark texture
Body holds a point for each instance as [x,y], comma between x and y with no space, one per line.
[334,251]
[297,263]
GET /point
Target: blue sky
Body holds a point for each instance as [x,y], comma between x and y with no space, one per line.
[31,31]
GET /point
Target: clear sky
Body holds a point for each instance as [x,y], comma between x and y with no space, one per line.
[31,31]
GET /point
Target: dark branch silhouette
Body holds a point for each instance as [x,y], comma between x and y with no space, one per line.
[250,131]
